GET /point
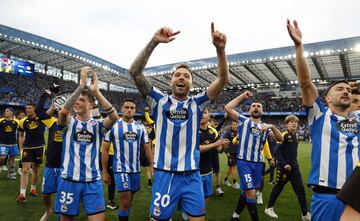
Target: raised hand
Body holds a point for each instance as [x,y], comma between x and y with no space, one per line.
[264,127]
[294,32]
[247,95]
[94,87]
[164,35]
[218,38]
[84,71]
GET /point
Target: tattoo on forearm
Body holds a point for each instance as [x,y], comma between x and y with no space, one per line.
[70,102]
[136,69]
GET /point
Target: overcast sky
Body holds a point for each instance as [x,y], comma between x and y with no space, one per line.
[117,30]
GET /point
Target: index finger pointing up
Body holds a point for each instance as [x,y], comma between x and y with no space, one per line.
[212,27]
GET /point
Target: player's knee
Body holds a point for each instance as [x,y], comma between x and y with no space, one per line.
[25,170]
[125,203]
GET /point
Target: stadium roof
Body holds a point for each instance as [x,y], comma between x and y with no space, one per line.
[31,47]
[328,60]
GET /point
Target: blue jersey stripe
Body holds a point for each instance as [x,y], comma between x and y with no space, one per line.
[333,156]
[71,151]
[131,147]
[177,123]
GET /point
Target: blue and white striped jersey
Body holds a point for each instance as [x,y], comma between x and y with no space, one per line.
[251,139]
[335,141]
[81,149]
[177,130]
[127,139]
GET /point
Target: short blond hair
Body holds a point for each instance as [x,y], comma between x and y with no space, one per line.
[291,118]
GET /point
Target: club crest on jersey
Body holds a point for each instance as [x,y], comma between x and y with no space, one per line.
[130,136]
[58,136]
[348,126]
[126,185]
[33,125]
[178,115]
[63,208]
[255,131]
[157,211]
[84,137]
[8,129]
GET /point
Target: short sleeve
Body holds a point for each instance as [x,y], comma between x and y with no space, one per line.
[109,135]
[241,118]
[154,97]
[316,111]
[202,100]
[21,124]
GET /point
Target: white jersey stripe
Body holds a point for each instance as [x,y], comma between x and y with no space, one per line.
[341,167]
[325,152]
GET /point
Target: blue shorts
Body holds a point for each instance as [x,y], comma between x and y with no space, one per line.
[172,189]
[250,174]
[50,181]
[70,194]
[127,182]
[207,184]
[11,150]
[326,207]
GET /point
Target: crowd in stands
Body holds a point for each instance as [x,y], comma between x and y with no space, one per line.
[27,90]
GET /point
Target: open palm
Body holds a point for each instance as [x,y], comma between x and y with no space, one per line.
[294,32]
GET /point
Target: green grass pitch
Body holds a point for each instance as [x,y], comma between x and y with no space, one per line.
[219,208]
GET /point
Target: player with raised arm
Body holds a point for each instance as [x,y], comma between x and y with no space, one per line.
[252,134]
[334,136]
[81,178]
[177,118]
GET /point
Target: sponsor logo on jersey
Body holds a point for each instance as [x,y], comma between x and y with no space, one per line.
[348,126]
[84,137]
[178,115]
[255,131]
[130,136]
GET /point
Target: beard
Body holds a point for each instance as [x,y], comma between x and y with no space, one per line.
[342,105]
[255,115]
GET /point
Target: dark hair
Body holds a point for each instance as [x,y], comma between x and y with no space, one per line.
[256,101]
[355,90]
[19,111]
[31,104]
[87,93]
[333,84]
[129,100]
[187,67]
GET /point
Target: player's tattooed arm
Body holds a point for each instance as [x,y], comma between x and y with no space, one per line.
[64,113]
[163,35]
[137,67]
